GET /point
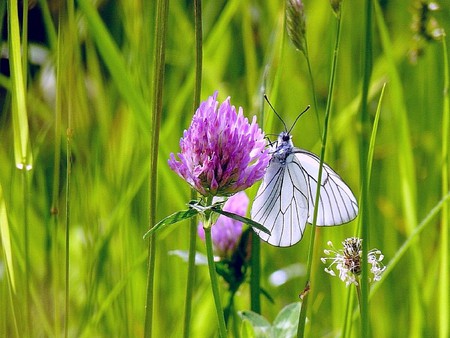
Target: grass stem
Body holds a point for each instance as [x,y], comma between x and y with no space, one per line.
[193,221]
[364,147]
[445,220]
[67,230]
[27,253]
[313,90]
[162,10]
[303,311]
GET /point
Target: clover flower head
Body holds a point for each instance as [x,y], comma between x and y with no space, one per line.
[221,152]
[347,261]
[226,232]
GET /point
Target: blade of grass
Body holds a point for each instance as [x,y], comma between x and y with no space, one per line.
[2,16]
[348,314]
[6,242]
[210,45]
[49,26]
[8,258]
[444,312]
[111,297]
[409,242]
[373,136]
[406,172]
[22,150]
[24,42]
[116,65]
[54,209]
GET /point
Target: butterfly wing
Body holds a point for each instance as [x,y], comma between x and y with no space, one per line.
[281,204]
[337,204]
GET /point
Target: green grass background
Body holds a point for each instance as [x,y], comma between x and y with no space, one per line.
[97,70]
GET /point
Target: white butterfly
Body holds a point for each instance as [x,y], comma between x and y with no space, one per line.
[285,199]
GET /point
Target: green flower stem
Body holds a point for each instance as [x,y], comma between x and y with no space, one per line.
[214,281]
[193,220]
[303,311]
[228,310]
[230,314]
[255,288]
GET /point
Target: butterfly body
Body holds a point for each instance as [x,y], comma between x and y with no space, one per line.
[285,200]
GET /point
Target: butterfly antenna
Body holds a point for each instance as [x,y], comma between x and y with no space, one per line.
[267,99]
[299,115]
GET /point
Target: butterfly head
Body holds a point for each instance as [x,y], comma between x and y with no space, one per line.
[284,139]
[283,147]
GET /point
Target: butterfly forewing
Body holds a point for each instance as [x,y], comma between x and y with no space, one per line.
[281,204]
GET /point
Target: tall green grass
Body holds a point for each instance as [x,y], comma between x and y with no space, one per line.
[73,259]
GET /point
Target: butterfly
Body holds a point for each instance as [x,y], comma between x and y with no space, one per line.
[285,199]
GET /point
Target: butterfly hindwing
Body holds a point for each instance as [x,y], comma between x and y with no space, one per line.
[337,204]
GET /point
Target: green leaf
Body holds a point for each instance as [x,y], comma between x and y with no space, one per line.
[241,219]
[174,218]
[247,330]
[198,205]
[285,325]
[259,326]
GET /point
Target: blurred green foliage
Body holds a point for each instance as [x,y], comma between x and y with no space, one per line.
[90,67]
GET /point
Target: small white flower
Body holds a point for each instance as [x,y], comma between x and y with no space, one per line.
[347,261]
